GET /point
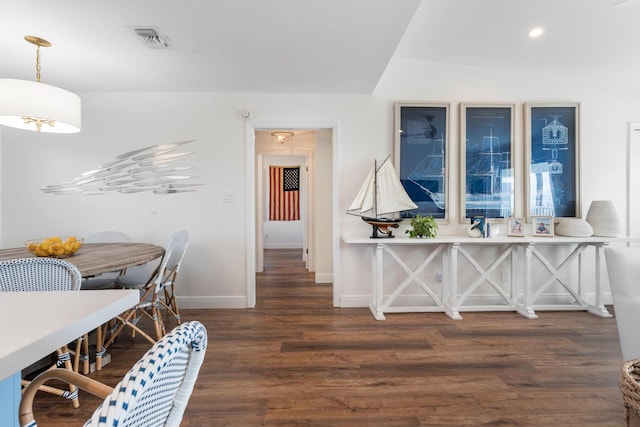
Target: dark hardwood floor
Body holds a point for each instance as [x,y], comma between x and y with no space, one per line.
[295,360]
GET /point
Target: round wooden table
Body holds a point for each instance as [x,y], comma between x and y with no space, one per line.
[96,258]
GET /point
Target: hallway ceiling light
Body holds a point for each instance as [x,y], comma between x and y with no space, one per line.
[282,136]
[36,106]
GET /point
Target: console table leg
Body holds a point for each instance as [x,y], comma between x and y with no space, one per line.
[526,309]
[452,307]
[376,297]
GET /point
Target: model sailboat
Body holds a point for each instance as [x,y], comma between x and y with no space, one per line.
[380,199]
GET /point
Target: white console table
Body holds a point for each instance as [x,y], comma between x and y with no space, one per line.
[517,254]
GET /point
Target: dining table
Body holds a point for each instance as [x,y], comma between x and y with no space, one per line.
[97,258]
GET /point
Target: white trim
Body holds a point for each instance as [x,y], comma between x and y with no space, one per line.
[359,301]
[291,245]
[199,302]
[324,278]
[250,192]
[250,214]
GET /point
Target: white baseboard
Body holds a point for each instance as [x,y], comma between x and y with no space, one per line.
[324,277]
[355,301]
[212,302]
[282,246]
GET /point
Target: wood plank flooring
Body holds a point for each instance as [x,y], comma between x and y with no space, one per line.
[295,360]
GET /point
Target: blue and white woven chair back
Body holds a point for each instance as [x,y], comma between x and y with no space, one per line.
[38,274]
[156,390]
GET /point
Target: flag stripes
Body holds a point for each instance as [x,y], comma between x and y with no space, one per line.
[284,193]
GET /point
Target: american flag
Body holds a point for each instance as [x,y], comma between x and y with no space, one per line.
[284,193]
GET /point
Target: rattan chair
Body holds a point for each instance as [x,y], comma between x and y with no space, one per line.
[105,280]
[48,274]
[155,392]
[168,300]
[149,305]
[630,387]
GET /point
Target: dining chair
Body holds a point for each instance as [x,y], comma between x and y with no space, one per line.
[154,392]
[168,300]
[105,280]
[48,274]
[149,305]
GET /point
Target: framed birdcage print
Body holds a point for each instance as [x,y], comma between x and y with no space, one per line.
[487,178]
[552,160]
[421,155]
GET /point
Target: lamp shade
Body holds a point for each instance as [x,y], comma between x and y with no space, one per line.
[39,101]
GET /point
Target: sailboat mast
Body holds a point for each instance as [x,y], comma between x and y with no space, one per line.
[375,188]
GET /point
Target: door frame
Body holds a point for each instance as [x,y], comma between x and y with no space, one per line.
[251,164]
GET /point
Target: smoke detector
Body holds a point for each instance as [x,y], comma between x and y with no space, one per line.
[152,38]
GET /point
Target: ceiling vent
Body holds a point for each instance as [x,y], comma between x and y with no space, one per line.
[152,38]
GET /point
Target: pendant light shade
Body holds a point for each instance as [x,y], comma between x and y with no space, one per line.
[37,106]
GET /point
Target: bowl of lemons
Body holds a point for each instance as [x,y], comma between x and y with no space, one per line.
[54,247]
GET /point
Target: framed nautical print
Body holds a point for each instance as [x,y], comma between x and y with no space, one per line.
[486,161]
[552,160]
[421,153]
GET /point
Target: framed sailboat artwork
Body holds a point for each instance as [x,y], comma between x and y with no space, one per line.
[421,156]
[487,168]
[552,159]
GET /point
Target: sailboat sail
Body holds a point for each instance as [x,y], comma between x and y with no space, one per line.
[381,194]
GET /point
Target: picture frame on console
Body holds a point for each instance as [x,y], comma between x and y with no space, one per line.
[542,226]
[421,156]
[515,227]
[552,159]
[487,168]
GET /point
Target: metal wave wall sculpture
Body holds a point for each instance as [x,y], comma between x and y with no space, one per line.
[150,169]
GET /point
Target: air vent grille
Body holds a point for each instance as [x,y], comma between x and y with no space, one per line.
[152,38]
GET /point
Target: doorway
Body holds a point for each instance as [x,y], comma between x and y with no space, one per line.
[317,146]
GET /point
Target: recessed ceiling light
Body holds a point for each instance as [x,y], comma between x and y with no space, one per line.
[536,32]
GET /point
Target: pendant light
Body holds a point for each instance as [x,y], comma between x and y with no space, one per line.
[38,106]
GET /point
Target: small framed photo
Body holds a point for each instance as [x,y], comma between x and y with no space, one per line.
[516,227]
[542,226]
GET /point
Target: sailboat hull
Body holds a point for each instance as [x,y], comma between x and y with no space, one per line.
[381,227]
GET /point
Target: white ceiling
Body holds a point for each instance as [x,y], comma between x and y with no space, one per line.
[303,46]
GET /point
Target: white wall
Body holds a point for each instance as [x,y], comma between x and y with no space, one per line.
[214,269]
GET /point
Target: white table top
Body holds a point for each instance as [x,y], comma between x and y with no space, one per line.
[35,324]
[504,240]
